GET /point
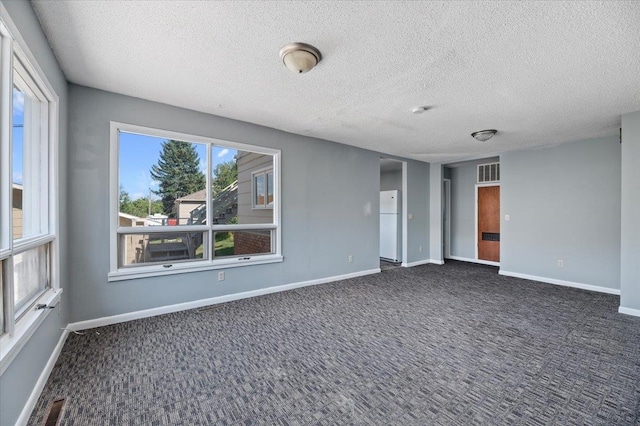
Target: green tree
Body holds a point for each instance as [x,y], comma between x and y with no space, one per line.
[224,174]
[177,172]
[125,200]
[139,207]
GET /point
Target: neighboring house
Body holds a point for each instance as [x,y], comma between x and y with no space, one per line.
[255,201]
[126,220]
[17,210]
[185,205]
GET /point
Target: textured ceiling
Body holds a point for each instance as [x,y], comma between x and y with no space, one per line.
[540,72]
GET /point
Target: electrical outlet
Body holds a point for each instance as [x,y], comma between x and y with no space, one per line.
[350,259]
[410,216]
[221,276]
[560,263]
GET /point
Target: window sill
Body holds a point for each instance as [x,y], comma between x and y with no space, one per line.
[25,328]
[182,268]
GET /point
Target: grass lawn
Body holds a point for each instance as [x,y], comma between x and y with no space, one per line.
[224,244]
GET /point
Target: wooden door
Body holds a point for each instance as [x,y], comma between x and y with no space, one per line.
[489,223]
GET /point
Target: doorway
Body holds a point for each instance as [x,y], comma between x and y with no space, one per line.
[488,222]
[393,204]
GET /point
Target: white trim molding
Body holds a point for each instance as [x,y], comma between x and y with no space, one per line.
[629,311]
[10,346]
[146,313]
[422,262]
[42,381]
[468,259]
[563,283]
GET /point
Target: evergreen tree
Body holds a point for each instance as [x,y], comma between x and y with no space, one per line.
[224,175]
[177,172]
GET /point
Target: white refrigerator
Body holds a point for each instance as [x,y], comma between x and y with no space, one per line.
[390,225]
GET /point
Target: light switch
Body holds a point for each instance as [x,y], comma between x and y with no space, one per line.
[506,218]
[410,216]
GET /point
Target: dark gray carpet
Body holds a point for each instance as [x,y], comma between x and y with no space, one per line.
[452,345]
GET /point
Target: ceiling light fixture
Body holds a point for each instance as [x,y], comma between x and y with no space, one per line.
[420,109]
[484,135]
[300,57]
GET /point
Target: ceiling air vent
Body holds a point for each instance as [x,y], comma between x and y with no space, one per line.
[489,172]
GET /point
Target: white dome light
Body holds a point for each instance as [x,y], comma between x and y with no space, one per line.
[300,57]
[484,135]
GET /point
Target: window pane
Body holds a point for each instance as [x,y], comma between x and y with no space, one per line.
[29,173]
[236,243]
[30,275]
[270,187]
[169,248]
[240,186]
[162,182]
[259,190]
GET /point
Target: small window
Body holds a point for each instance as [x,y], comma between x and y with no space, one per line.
[263,189]
[489,172]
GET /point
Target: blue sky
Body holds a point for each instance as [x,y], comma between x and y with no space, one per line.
[18,122]
[139,152]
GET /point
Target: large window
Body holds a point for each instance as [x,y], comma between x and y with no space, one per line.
[28,114]
[182,202]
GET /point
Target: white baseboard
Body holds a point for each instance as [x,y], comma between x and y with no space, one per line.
[130,316]
[582,286]
[468,259]
[422,262]
[42,380]
[629,311]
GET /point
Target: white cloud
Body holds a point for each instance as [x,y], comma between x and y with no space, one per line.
[223,153]
[17,178]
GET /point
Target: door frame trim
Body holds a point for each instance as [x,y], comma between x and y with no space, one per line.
[446,183]
[478,185]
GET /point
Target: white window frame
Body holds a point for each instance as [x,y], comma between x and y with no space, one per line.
[20,326]
[144,271]
[265,171]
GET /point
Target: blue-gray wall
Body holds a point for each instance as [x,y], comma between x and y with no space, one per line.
[436,235]
[564,203]
[391,180]
[630,222]
[463,184]
[417,205]
[330,207]
[18,381]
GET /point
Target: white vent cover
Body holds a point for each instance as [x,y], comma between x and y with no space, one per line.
[489,172]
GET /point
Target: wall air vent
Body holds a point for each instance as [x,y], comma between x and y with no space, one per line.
[489,172]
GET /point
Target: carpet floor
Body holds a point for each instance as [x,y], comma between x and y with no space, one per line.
[430,345]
